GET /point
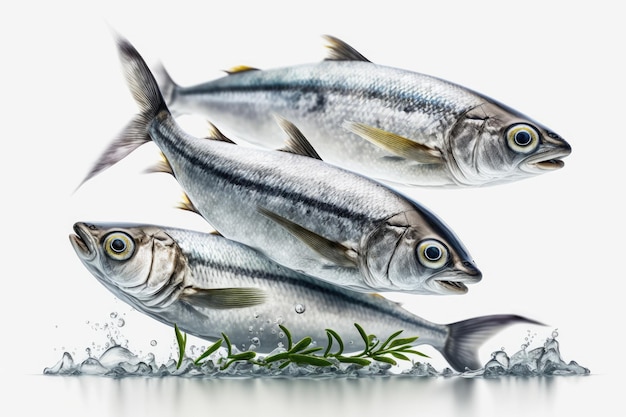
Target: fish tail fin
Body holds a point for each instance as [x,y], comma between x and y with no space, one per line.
[168,86]
[148,97]
[465,337]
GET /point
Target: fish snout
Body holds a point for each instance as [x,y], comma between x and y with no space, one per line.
[455,282]
[83,241]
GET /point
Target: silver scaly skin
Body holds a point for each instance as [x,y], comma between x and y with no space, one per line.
[208,285]
[306,214]
[394,125]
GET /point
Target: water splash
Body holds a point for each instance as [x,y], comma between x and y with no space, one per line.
[118,361]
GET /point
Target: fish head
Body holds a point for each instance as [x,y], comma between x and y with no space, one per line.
[415,252]
[492,144]
[142,263]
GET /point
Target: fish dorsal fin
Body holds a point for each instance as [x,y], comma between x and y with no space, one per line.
[163,166]
[224,298]
[396,144]
[216,134]
[240,68]
[296,142]
[333,251]
[341,51]
[186,204]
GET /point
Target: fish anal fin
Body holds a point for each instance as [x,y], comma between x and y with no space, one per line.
[341,51]
[186,204]
[296,142]
[224,298]
[396,144]
[240,68]
[163,166]
[335,252]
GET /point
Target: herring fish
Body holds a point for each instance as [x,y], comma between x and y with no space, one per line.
[308,215]
[208,285]
[398,126]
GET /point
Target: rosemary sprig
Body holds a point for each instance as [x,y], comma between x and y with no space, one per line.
[302,353]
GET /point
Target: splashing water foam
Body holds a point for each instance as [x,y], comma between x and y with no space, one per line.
[118,361]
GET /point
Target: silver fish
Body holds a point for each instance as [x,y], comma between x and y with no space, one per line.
[298,210]
[394,125]
[208,285]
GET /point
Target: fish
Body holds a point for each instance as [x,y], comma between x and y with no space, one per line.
[398,126]
[208,285]
[302,212]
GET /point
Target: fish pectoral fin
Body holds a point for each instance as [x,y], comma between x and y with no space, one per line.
[296,142]
[396,144]
[335,252]
[240,68]
[341,51]
[223,298]
[216,134]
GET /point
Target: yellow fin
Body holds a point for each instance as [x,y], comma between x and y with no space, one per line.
[224,298]
[240,68]
[341,51]
[333,251]
[186,204]
[396,144]
[216,134]
[163,166]
[296,142]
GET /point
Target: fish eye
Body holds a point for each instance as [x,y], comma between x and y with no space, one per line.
[522,138]
[432,254]
[119,246]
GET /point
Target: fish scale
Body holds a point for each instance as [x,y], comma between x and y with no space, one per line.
[300,211]
[305,305]
[324,99]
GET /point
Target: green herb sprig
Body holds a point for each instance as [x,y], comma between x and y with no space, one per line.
[303,353]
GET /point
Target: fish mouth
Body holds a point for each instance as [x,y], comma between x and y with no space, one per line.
[547,161]
[444,286]
[83,242]
[467,273]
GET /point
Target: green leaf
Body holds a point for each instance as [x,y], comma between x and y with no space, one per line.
[181,339]
[389,339]
[384,359]
[288,335]
[339,341]
[210,350]
[276,357]
[415,352]
[363,335]
[243,356]
[229,346]
[309,351]
[301,345]
[352,359]
[400,356]
[400,342]
[309,360]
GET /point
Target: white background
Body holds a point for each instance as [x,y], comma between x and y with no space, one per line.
[550,247]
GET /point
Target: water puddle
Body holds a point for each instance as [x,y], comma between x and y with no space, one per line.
[118,361]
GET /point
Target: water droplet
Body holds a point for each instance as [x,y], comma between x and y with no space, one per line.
[555,333]
[255,340]
[113,315]
[120,323]
[281,335]
[153,343]
[88,350]
[300,308]
[250,329]
[261,329]
[279,320]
